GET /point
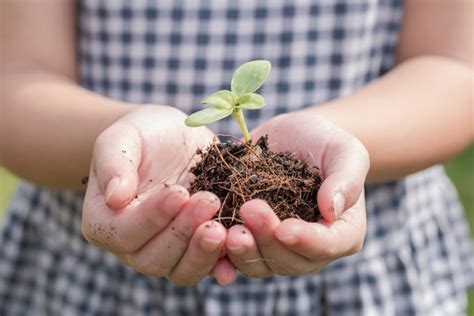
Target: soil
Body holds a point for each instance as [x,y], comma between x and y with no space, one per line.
[239,172]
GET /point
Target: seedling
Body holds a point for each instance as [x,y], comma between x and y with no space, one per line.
[247,79]
[239,171]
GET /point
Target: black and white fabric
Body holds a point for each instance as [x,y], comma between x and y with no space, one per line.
[417,258]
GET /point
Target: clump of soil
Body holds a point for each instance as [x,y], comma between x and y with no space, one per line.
[238,172]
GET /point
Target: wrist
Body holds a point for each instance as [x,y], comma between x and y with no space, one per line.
[113,111]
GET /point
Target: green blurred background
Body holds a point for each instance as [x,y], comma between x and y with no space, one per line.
[460,169]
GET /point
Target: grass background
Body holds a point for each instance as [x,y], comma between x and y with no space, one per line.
[460,170]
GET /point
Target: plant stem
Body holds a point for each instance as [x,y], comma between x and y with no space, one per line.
[239,117]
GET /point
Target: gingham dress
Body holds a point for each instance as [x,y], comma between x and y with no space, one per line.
[417,255]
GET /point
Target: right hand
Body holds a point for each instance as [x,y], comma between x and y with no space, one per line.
[136,205]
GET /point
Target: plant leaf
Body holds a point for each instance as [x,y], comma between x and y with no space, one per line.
[222,99]
[250,76]
[251,101]
[251,106]
[207,116]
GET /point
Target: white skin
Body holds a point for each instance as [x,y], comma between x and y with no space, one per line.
[57,126]
[266,245]
[137,205]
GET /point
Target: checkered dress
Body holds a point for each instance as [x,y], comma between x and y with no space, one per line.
[417,255]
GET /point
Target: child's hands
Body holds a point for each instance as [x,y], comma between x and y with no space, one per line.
[293,247]
[129,210]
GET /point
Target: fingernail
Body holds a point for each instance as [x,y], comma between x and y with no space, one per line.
[111,187]
[173,200]
[209,244]
[201,210]
[237,250]
[257,220]
[288,239]
[338,204]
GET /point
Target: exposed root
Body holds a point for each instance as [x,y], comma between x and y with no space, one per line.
[237,173]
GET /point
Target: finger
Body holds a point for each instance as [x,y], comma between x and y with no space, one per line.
[160,255]
[345,166]
[117,155]
[224,272]
[129,229]
[262,222]
[201,256]
[243,253]
[318,241]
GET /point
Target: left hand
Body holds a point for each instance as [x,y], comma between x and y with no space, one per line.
[266,245]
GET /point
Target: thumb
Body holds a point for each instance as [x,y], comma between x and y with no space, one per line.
[345,166]
[117,155]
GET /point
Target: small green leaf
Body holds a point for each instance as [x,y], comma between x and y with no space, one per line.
[251,101]
[250,76]
[207,116]
[251,106]
[222,99]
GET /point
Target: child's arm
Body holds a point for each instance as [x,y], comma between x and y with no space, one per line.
[50,128]
[417,115]
[48,123]
[421,112]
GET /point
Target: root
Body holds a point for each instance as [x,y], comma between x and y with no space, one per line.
[239,172]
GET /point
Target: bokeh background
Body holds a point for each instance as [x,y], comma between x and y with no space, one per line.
[460,169]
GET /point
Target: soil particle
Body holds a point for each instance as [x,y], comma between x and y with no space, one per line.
[237,172]
[85,180]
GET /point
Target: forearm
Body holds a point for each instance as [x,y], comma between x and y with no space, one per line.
[49,125]
[419,114]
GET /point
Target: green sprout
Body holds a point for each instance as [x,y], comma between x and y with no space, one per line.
[247,79]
